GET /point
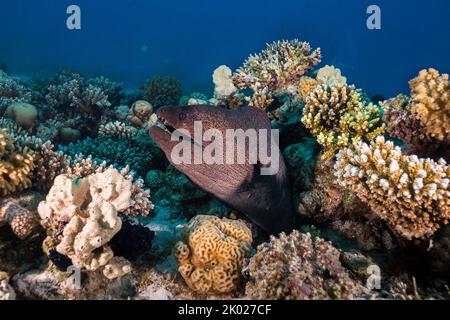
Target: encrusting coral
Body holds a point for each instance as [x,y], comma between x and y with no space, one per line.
[87,209]
[410,193]
[299,266]
[275,70]
[340,116]
[430,103]
[212,259]
[22,113]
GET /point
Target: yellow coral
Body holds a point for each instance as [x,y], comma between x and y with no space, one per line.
[339,116]
[411,194]
[212,260]
[16,164]
[430,102]
[306,86]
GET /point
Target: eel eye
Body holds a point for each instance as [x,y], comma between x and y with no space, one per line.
[182,116]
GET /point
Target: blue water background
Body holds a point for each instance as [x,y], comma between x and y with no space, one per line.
[130,41]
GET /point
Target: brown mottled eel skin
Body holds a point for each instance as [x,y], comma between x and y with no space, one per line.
[264,199]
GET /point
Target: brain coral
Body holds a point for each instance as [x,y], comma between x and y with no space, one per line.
[212,259]
[411,194]
[430,102]
[340,116]
[299,267]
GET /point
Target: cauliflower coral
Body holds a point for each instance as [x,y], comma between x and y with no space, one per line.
[430,102]
[411,194]
[212,259]
[340,116]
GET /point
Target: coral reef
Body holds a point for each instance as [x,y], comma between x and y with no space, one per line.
[162,91]
[212,259]
[140,113]
[22,113]
[22,221]
[340,116]
[306,86]
[430,103]
[275,70]
[330,76]
[223,82]
[298,266]
[6,291]
[87,210]
[11,91]
[410,193]
[16,163]
[71,90]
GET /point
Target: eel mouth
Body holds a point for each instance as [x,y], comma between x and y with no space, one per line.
[165,125]
[163,129]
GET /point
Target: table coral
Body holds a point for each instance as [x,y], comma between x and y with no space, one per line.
[212,259]
[340,116]
[299,267]
[410,193]
[430,102]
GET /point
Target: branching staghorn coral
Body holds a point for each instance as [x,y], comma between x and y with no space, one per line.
[340,116]
[212,259]
[299,267]
[276,69]
[430,103]
[411,194]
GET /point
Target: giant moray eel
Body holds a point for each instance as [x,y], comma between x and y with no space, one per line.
[264,199]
